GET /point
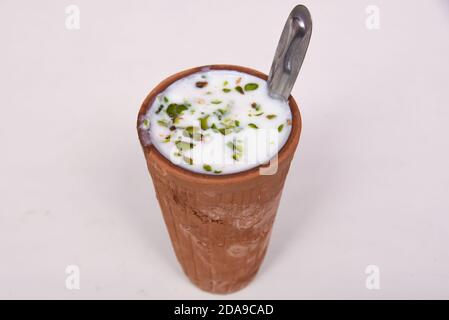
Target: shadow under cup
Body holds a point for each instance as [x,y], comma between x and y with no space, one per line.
[219,225]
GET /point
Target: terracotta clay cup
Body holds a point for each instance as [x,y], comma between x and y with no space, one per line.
[219,226]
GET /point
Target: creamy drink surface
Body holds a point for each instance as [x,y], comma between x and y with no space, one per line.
[218,122]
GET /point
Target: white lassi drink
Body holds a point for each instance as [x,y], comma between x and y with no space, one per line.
[218,122]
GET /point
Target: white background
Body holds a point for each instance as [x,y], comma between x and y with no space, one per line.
[369,183]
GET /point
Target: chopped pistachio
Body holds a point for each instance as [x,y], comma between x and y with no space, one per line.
[280,127]
[225,83]
[225,131]
[271,116]
[159,109]
[188,132]
[217,171]
[251,86]
[239,89]
[165,99]
[162,123]
[180,108]
[203,122]
[216,101]
[207,167]
[192,132]
[183,146]
[226,90]
[146,123]
[167,138]
[174,110]
[228,122]
[237,149]
[234,145]
[198,136]
[188,160]
[252,125]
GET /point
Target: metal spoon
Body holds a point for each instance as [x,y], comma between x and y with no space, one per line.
[290,53]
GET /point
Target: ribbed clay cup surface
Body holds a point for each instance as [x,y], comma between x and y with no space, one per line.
[219,225]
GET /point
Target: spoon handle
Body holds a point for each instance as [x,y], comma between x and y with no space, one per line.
[290,52]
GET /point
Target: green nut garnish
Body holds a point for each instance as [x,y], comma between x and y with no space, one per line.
[159,109]
[251,86]
[280,127]
[174,110]
[167,138]
[163,123]
[183,146]
[239,89]
[188,160]
[188,132]
[203,122]
[237,149]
